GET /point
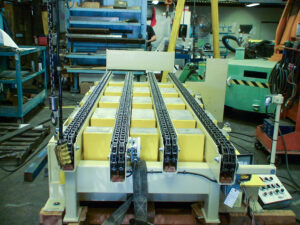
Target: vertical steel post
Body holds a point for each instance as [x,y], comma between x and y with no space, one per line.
[44,67]
[19,85]
[215,27]
[174,32]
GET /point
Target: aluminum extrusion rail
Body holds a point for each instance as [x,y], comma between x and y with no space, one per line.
[121,133]
[228,160]
[167,130]
[73,128]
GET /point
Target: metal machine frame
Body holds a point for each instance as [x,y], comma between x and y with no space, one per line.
[90,179]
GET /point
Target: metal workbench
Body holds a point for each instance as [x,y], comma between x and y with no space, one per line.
[16,78]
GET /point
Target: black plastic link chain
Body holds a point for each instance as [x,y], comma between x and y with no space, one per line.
[121,132]
[229,160]
[167,130]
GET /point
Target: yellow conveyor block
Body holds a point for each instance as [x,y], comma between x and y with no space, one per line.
[113,91]
[191,144]
[141,103]
[140,84]
[169,92]
[141,92]
[104,117]
[174,103]
[116,83]
[182,118]
[109,102]
[165,85]
[143,118]
[96,143]
[149,142]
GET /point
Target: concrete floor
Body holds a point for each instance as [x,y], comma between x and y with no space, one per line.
[20,202]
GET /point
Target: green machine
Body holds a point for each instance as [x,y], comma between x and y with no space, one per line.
[247,81]
[193,72]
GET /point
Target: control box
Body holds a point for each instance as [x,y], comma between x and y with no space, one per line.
[273,195]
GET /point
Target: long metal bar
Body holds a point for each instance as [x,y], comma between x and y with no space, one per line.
[121,132]
[167,129]
[101,39]
[227,151]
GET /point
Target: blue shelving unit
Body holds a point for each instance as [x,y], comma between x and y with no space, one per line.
[126,30]
[16,78]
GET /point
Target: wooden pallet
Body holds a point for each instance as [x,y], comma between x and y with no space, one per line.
[167,215]
[16,149]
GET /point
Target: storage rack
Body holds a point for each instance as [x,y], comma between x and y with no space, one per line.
[17,77]
[103,28]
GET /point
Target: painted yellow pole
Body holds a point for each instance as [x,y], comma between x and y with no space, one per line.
[215,27]
[174,32]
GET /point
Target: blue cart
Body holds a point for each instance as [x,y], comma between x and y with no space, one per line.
[16,78]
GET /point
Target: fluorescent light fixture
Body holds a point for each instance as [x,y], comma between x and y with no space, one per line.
[155,2]
[252,4]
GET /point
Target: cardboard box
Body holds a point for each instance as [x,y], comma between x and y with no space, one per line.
[90,5]
[85,86]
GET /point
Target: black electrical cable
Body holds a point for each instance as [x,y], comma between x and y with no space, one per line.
[42,146]
[252,142]
[242,147]
[179,172]
[225,39]
[197,174]
[290,185]
[248,135]
[287,161]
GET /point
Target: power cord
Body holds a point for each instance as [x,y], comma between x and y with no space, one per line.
[179,172]
[242,139]
[42,146]
[287,161]
[240,133]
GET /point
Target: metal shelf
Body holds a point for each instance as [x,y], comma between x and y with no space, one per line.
[85,56]
[18,77]
[90,22]
[27,107]
[11,78]
[79,9]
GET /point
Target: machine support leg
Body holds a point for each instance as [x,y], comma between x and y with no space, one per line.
[211,206]
[72,203]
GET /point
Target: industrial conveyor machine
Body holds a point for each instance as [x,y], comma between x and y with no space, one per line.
[119,124]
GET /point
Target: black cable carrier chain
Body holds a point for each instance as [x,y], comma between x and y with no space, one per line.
[73,128]
[229,161]
[50,44]
[121,132]
[167,130]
